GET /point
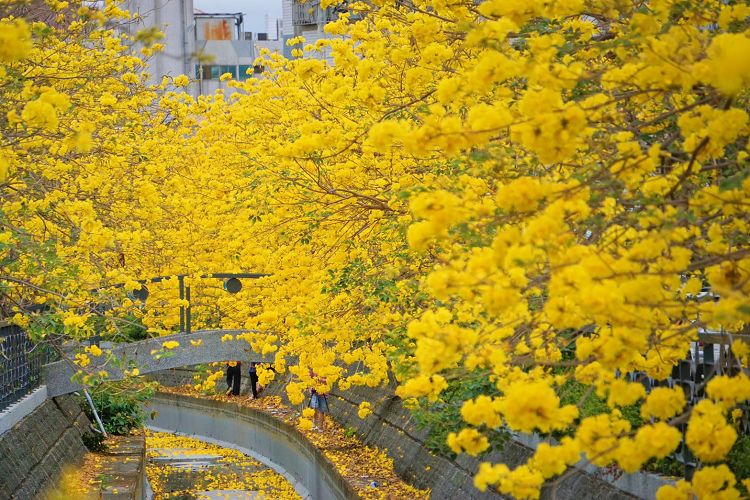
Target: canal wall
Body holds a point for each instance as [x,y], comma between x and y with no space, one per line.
[123,465]
[268,439]
[46,436]
[392,429]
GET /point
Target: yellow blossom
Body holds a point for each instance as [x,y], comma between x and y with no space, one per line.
[469,441]
[364,410]
[15,40]
[708,434]
[663,403]
[94,350]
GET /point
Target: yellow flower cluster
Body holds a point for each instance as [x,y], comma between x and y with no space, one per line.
[207,385]
[468,440]
[709,435]
[305,423]
[15,40]
[365,409]
[663,403]
[82,360]
[709,482]
[94,350]
[535,406]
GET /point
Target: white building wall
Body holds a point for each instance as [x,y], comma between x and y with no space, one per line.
[225,51]
[175,19]
[273,28]
[272,45]
[286,18]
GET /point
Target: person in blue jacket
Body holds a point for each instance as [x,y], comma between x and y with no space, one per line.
[253,372]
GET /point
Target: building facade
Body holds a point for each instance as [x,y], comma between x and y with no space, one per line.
[307,20]
[221,46]
[201,45]
[174,18]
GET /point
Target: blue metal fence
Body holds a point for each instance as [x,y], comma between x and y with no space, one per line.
[20,364]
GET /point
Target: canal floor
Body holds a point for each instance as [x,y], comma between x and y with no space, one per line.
[180,467]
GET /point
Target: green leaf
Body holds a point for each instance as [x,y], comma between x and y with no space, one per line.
[733,182]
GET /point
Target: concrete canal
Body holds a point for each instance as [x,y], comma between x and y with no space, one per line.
[180,467]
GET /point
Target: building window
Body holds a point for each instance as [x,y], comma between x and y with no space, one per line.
[243,71]
[258,69]
[210,72]
[232,70]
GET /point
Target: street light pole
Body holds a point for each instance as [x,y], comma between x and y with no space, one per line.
[181,279]
[188,325]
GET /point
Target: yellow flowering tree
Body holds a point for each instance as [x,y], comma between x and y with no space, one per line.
[536,192]
[516,197]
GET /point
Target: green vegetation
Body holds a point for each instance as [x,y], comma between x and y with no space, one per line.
[738,459]
[667,466]
[94,441]
[589,404]
[443,416]
[119,405]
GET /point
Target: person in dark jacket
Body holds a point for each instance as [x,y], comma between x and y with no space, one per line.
[234,377]
[254,378]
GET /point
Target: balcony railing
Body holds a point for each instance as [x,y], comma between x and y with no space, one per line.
[311,13]
[307,13]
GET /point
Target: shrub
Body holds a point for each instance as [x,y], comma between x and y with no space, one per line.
[443,416]
[739,458]
[119,405]
[94,441]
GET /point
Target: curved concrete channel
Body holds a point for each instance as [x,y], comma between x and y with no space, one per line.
[267,439]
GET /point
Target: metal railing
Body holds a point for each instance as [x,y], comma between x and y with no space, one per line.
[20,364]
[704,361]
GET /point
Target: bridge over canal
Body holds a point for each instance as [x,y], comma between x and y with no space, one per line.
[205,346]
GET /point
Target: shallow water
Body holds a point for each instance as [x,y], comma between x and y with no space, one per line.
[185,468]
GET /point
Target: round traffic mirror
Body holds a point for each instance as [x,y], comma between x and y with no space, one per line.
[232,285]
[141,294]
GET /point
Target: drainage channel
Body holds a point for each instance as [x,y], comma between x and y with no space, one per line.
[182,467]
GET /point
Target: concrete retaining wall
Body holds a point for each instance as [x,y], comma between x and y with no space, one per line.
[276,443]
[35,449]
[17,411]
